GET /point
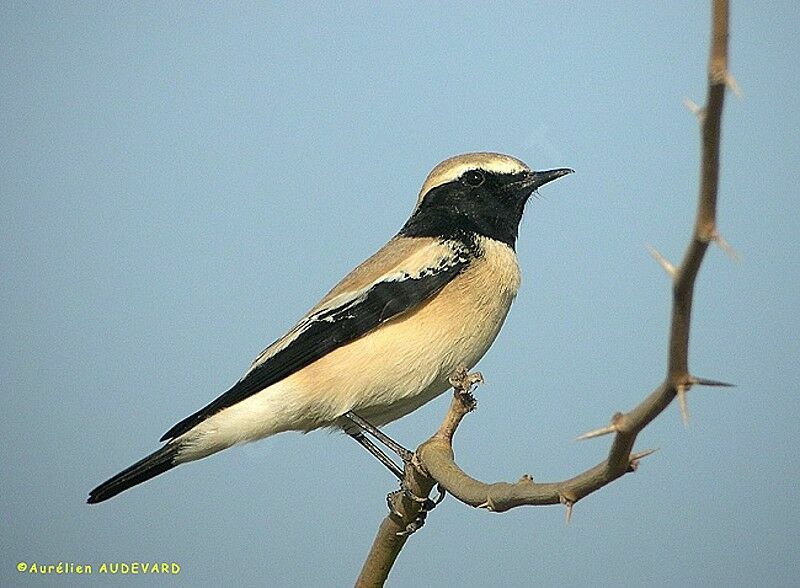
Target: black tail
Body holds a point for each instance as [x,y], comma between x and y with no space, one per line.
[144,469]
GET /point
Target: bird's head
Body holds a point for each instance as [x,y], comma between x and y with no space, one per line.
[481,193]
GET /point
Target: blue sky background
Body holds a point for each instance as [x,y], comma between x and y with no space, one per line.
[180,182]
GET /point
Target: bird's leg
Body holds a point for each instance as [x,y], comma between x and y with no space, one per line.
[366,427]
[426,504]
[378,453]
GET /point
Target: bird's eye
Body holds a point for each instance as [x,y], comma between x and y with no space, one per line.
[473,177]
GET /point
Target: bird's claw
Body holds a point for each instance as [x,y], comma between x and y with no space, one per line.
[390,503]
[427,505]
[442,494]
[414,525]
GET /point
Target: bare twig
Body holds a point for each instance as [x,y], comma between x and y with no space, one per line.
[434,458]
[437,457]
[394,530]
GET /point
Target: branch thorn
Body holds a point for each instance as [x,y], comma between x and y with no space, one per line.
[612,428]
[682,389]
[635,458]
[732,85]
[488,505]
[725,246]
[717,383]
[597,433]
[662,261]
[696,110]
[569,504]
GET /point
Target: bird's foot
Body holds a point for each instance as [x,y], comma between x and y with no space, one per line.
[427,505]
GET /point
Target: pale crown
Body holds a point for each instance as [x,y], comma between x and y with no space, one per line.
[451,169]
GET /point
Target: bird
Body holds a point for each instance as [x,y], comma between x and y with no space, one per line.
[386,338]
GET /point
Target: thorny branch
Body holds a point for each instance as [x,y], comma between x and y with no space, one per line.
[435,463]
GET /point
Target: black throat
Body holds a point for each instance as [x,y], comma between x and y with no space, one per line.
[456,210]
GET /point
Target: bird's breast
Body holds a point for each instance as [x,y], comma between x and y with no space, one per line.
[406,361]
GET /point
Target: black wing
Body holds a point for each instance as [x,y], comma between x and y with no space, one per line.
[329,328]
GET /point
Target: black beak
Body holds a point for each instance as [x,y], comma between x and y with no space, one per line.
[537,179]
